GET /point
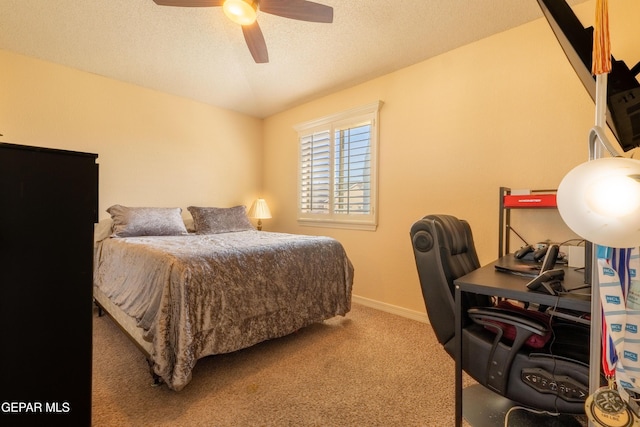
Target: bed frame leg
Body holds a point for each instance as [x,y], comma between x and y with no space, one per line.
[100,309]
[157,380]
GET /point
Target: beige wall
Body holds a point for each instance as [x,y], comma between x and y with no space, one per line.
[505,111]
[154,149]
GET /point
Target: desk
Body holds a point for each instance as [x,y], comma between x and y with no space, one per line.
[487,281]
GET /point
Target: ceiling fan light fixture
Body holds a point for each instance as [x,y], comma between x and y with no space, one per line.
[242,12]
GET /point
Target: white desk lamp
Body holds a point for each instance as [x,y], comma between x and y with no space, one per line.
[600,201]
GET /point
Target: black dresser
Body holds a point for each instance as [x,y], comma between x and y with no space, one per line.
[48,207]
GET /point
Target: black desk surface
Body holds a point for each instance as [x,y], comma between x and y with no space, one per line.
[488,281]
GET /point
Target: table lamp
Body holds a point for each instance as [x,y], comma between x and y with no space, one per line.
[259,210]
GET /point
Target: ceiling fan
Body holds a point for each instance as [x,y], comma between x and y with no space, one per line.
[243,12]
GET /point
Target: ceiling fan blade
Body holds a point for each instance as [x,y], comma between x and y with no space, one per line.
[189,3]
[301,10]
[255,41]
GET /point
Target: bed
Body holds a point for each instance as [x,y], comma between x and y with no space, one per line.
[184,295]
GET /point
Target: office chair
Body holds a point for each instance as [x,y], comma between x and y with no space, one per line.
[553,377]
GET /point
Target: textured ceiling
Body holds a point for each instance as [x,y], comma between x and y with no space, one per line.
[199,54]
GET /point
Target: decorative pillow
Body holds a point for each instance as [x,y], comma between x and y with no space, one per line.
[220,220]
[131,222]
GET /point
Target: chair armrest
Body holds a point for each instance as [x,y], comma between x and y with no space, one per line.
[501,357]
[509,317]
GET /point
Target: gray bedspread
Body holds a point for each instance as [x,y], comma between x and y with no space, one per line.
[199,295]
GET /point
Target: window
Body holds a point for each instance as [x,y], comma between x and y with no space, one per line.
[337,184]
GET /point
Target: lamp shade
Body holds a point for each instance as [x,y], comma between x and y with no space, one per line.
[600,201]
[259,210]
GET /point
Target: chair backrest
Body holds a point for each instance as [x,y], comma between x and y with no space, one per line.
[444,251]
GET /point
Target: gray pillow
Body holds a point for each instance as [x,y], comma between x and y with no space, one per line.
[220,220]
[131,222]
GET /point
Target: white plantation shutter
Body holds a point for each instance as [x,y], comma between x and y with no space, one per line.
[315,173]
[352,171]
[337,185]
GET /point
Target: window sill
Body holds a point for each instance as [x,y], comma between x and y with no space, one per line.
[337,224]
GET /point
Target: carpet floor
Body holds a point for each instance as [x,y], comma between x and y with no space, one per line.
[369,368]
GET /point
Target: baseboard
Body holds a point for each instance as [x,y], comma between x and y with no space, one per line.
[393,309]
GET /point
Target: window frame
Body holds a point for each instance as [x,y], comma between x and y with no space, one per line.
[351,118]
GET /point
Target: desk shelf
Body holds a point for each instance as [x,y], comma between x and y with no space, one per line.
[537,199]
